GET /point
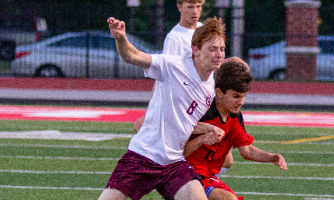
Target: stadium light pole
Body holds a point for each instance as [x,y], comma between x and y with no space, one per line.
[159,23]
[222,5]
[133,4]
[238,13]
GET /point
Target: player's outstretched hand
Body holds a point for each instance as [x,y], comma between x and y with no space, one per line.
[116,27]
[279,160]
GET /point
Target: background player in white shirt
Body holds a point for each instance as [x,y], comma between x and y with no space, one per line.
[183,93]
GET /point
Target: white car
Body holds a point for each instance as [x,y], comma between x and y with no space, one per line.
[23,30]
[269,62]
[70,55]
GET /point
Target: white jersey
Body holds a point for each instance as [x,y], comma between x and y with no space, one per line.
[179,100]
[178,41]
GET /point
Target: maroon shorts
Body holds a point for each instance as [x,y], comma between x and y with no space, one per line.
[136,176]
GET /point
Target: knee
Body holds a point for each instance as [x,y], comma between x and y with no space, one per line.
[228,163]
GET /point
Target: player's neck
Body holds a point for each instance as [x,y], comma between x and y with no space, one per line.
[202,73]
[222,110]
[186,24]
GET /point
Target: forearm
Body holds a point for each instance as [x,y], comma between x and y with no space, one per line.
[201,127]
[130,54]
[191,146]
[251,152]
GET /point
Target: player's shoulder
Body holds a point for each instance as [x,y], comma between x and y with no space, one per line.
[237,116]
[170,60]
[175,33]
[211,114]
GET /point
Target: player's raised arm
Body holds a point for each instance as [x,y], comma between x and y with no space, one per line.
[128,52]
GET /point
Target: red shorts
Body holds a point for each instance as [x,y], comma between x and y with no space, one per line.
[213,182]
[136,176]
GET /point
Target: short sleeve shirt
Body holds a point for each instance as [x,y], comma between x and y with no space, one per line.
[178,41]
[179,100]
[208,160]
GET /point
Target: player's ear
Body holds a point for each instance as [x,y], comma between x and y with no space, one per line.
[195,50]
[179,6]
[219,93]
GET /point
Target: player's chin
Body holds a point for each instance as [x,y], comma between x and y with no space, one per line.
[236,110]
[216,66]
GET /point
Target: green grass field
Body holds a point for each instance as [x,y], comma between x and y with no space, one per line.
[79,169]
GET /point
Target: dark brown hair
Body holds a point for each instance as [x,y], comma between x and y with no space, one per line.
[233,75]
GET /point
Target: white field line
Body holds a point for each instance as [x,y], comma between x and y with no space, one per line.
[287,194]
[57,135]
[113,147]
[294,164]
[62,146]
[57,158]
[293,152]
[50,172]
[222,176]
[112,159]
[48,188]
[279,177]
[301,143]
[240,193]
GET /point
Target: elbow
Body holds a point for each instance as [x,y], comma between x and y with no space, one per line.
[127,59]
[245,156]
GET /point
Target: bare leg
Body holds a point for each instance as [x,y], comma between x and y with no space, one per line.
[219,194]
[193,190]
[112,194]
[228,160]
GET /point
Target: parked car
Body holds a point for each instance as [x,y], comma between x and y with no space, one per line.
[23,30]
[269,62]
[90,54]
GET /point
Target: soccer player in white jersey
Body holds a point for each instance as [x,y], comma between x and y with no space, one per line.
[178,42]
[183,93]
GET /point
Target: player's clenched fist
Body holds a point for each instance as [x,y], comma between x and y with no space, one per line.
[212,134]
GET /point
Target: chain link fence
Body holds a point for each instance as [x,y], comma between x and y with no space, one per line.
[82,47]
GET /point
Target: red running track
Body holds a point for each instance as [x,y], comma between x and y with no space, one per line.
[48,113]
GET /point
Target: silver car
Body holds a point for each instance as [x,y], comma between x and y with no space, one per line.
[90,54]
[269,62]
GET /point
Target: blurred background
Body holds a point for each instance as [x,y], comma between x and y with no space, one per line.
[70,38]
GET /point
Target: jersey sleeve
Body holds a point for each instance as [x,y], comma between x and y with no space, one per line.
[240,136]
[162,66]
[155,69]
